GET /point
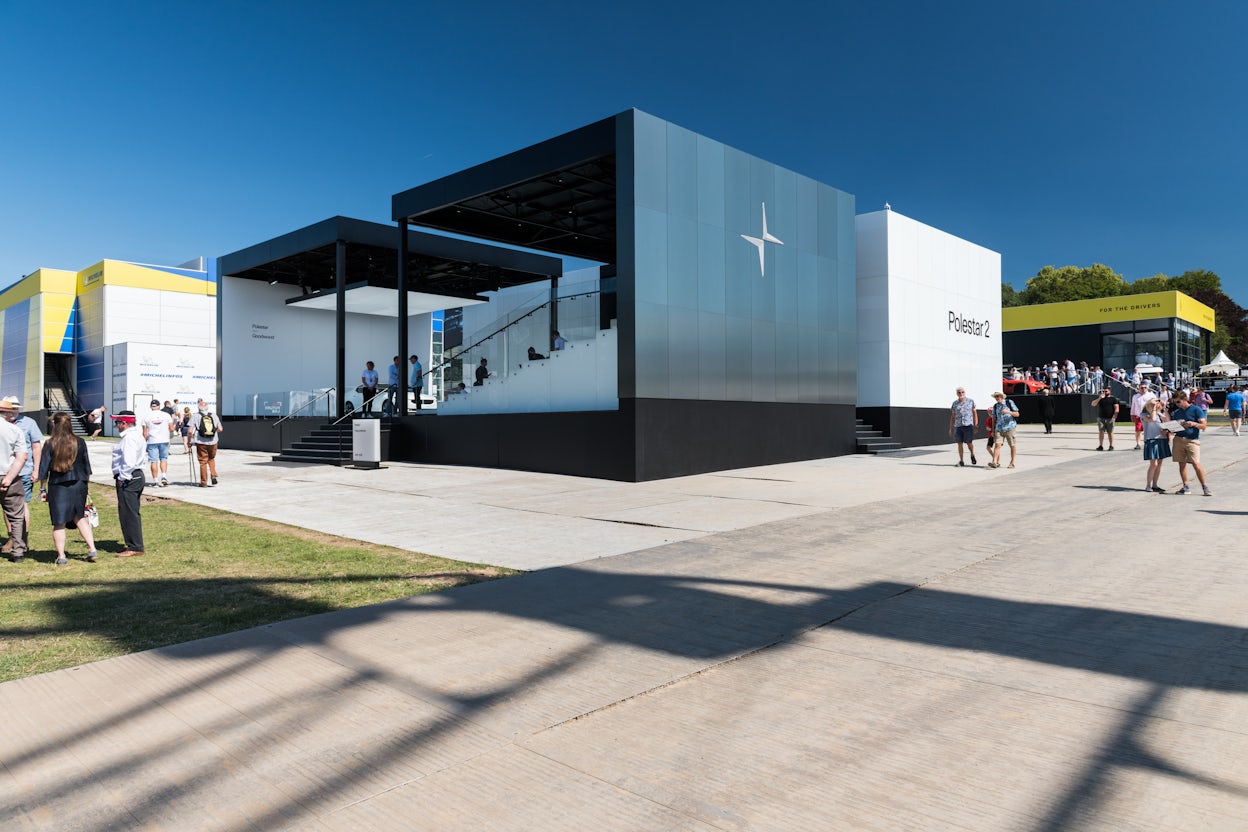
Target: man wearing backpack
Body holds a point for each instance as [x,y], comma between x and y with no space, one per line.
[206,430]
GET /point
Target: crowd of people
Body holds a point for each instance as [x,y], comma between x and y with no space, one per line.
[62,467]
[1068,377]
[1167,426]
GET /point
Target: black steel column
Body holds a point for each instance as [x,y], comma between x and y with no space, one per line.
[400,402]
[1174,346]
[340,325]
[554,311]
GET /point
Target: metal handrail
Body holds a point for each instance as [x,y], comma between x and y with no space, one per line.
[305,404]
[382,390]
[507,326]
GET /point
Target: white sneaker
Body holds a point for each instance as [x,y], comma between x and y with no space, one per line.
[164,481]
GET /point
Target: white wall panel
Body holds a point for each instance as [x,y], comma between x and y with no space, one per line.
[927,275]
[267,346]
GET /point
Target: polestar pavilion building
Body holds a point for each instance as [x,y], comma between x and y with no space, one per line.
[717,317]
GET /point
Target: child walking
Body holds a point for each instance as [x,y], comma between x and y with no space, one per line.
[1156,443]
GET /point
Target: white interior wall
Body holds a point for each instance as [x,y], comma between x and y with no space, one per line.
[911,278]
[267,346]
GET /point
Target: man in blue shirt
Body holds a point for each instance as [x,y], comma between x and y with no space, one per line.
[1235,408]
[1187,441]
[391,395]
[417,381]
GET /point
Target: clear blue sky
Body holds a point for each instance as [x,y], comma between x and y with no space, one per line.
[1055,133]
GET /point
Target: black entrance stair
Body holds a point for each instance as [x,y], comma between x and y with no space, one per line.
[872,441]
[327,445]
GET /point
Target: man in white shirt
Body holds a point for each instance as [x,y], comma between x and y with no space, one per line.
[128,457]
[157,425]
[14,451]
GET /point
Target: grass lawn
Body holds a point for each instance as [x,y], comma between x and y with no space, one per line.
[206,572]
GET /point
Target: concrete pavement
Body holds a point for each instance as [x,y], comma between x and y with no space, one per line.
[859,643]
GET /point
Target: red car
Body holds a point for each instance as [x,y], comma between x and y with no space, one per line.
[1018,386]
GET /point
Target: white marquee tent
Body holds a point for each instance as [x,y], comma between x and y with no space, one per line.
[1221,364]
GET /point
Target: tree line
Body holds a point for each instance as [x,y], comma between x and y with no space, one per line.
[1052,285]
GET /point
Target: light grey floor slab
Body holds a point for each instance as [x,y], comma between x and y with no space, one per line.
[921,647]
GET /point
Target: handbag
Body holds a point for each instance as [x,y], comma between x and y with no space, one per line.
[93,516]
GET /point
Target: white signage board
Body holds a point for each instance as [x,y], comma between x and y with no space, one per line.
[366,443]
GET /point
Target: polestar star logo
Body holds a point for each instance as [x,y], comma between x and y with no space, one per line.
[761,242]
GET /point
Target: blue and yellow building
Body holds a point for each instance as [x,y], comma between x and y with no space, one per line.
[73,340]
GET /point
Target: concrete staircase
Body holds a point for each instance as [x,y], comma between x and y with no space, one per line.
[327,445]
[872,441]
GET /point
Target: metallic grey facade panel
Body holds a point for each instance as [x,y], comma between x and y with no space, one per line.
[732,328]
[651,276]
[682,262]
[788,378]
[683,360]
[738,357]
[763,356]
[710,182]
[650,152]
[682,173]
[711,243]
[713,349]
[653,373]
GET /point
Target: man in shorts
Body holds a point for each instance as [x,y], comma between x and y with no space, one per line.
[1187,441]
[157,425]
[963,419]
[1106,413]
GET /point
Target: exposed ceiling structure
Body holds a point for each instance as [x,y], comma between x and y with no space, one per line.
[568,211]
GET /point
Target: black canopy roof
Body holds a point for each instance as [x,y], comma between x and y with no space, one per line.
[438,264]
[558,196]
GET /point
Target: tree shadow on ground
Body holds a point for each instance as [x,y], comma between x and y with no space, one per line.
[693,617]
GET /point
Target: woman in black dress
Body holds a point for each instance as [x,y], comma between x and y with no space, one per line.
[64,472]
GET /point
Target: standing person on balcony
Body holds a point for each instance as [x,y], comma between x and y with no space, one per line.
[559,342]
[368,388]
[396,367]
[1139,399]
[483,373]
[963,419]
[417,380]
[1106,413]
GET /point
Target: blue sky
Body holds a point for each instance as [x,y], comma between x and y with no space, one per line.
[1056,133]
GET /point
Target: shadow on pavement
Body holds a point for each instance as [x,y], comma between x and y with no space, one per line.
[704,618]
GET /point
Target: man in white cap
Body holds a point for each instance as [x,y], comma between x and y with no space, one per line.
[14,451]
[34,436]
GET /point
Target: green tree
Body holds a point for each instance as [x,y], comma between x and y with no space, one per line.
[1230,323]
[1051,285]
[1156,283]
[1009,296]
[1196,280]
